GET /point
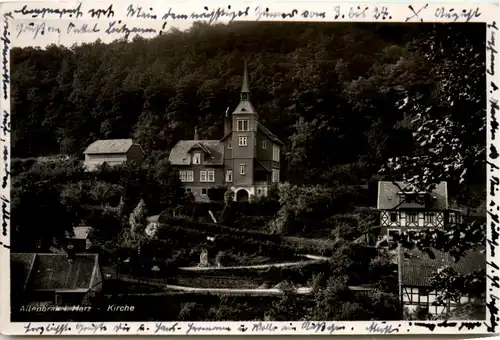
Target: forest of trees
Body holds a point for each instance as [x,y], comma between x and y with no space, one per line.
[332,92]
[352,103]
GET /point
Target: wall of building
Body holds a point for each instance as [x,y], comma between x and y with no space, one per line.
[219,176]
[135,153]
[261,189]
[228,151]
[264,155]
[92,161]
[247,151]
[247,178]
[403,219]
[413,297]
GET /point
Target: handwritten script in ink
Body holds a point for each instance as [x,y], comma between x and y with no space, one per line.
[192,329]
[160,327]
[49,11]
[226,14]
[320,327]
[90,328]
[49,329]
[381,328]
[494,180]
[5,54]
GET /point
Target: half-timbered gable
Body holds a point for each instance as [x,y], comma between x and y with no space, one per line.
[417,269]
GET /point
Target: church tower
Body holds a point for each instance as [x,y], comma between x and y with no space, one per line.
[244,137]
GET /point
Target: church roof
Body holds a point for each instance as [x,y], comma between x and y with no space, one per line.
[269,134]
[244,107]
[180,152]
[258,165]
[244,86]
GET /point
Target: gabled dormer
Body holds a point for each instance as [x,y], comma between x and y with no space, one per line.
[409,197]
[198,153]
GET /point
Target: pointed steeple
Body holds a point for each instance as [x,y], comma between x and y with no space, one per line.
[245,106]
[245,89]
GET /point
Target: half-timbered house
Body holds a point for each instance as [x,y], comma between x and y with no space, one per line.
[402,207]
[416,270]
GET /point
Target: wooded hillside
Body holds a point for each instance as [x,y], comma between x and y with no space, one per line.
[334,93]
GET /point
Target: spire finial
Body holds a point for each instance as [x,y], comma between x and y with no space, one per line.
[245,89]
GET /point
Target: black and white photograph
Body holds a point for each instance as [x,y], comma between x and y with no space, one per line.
[259,171]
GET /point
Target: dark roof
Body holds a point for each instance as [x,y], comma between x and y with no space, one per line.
[57,272]
[258,164]
[244,107]
[106,146]
[179,154]
[21,264]
[388,195]
[411,205]
[200,146]
[417,267]
[269,134]
[244,85]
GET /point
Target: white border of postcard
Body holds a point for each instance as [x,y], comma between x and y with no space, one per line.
[58,14]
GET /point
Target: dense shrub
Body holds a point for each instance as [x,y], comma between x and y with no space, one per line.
[216,194]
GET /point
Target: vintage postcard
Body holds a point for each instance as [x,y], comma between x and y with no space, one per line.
[249,168]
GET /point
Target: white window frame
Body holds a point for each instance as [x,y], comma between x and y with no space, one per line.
[276,153]
[197,158]
[210,176]
[264,144]
[275,176]
[412,217]
[243,169]
[240,125]
[229,145]
[229,176]
[186,175]
[430,217]
[203,176]
[183,175]
[242,141]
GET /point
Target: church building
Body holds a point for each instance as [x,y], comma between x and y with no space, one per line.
[246,159]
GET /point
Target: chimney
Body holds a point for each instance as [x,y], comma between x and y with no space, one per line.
[227,122]
[196,136]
